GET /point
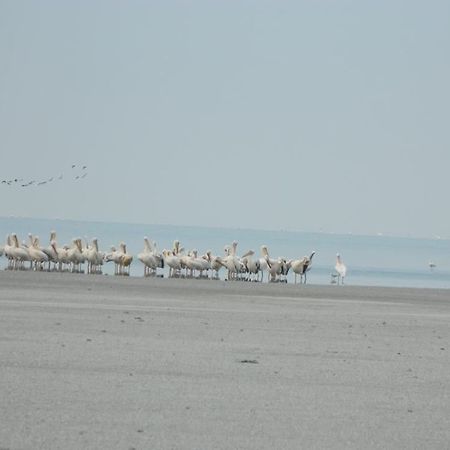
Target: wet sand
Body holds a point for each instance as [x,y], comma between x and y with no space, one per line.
[98,362]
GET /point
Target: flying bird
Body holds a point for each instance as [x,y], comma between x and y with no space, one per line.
[79,172]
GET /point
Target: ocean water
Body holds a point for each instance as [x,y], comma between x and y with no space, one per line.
[370,260]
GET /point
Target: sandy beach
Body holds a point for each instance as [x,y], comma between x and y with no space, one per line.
[102,362]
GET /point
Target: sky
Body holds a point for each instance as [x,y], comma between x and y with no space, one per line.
[316,115]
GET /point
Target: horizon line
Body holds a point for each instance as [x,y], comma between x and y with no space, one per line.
[217,227]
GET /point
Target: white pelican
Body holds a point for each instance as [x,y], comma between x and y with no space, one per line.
[62,255]
[231,262]
[37,256]
[173,261]
[75,256]
[200,263]
[340,268]
[277,268]
[150,258]
[145,256]
[187,263]
[252,267]
[52,255]
[215,262]
[122,260]
[9,252]
[94,258]
[301,266]
[19,253]
[113,256]
[125,260]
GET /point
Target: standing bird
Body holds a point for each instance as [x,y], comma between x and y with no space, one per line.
[232,262]
[252,267]
[215,262]
[277,268]
[340,268]
[150,258]
[301,266]
[37,256]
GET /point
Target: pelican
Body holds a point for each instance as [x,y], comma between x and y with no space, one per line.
[252,267]
[340,268]
[94,258]
[51,253]
[150,258]
[62,255]
[301,266]
[146,257]
[19,253]
[113,256]
[200,263]
[37,256]
[277,268]
[9,252]
[75,256]
[173,261]
[187,263]
[122,260]
[126,259]
[231,262]
[298,267]
[215,262]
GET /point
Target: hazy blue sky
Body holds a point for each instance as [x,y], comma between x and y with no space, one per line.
[310,115]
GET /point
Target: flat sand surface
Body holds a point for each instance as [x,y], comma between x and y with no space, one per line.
[102,362]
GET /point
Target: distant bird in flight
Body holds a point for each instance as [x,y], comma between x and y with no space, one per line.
[24,184]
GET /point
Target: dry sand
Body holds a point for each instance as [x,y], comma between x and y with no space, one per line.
[97,362]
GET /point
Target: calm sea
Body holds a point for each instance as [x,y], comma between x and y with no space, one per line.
[370,260]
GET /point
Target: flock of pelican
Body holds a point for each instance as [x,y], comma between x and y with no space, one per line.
[77,172]
[180,263]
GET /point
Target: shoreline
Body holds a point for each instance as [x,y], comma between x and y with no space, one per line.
[257,287]
[433,237]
